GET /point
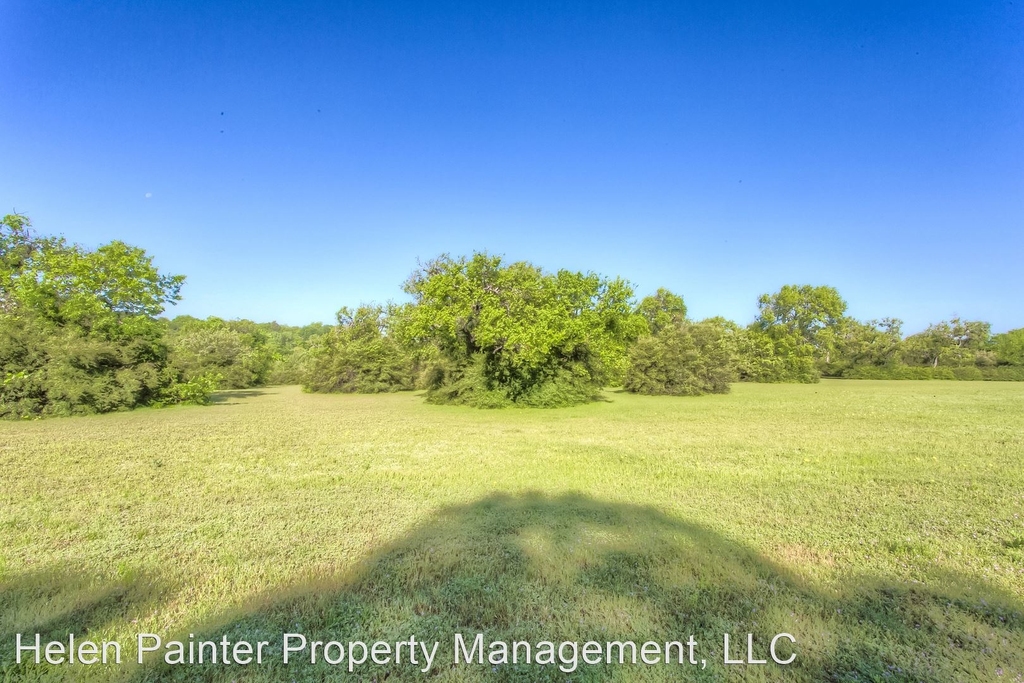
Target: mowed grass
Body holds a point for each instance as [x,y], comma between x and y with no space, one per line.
[880,523]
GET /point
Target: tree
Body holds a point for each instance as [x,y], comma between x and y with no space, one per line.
[953,343]
[17,246]
[362,354]
[238,351]
[683,359]
[765,357]
[78,332]
[515,335]
[809,314]
[661,310]
[1009,347]
[876,344]
[795,327]
[291,346]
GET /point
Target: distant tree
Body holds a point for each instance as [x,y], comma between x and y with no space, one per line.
[1009,347]
[291,348]
[238,351]
[809,315]
[876,343]
[362,354]
[515,335]
[765,357]
[662,310]
[683,359]
[953,343]
[797,328]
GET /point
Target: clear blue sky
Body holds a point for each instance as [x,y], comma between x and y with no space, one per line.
[293,159]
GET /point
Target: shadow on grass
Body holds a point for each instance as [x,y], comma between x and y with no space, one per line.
[56,603]
[231,396]
[570,568]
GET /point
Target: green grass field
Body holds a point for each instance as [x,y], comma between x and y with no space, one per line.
[880,523]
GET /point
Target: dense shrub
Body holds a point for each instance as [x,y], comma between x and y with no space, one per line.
[683,359]
[196,391]
[51,370]
[238,351]
[360,355]
[762,357]
[78,332]
[474,384]
[1000,373]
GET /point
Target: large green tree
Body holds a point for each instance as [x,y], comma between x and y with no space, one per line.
[78,331]
[796,328]
[513,334]
[812,315]
[661,310]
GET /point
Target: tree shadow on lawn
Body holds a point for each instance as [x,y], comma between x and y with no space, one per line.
[59,602]
[230,396]
[570,568]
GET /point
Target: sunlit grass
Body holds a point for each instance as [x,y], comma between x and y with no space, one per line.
[879,522]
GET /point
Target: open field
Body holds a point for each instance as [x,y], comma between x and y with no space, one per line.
[880,523]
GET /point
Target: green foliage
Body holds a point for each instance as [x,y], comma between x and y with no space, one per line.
[77,327]
[953,343]
[238,350]
[797,328]
[764,357]
[683,359]
[195,391]
[806,315]
[470,384]
[513,334]
[802,311]
[662,309]
[291,349]
[361,355]
[50,370]
[1002,373]
[1009,347]
[106,290]
[877,343]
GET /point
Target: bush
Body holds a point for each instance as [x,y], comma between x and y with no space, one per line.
[684,359]
[999,373]
[47,371]
[360,355]
[236,350]
[196,391]
[78,332]
[470,384]
[761,358]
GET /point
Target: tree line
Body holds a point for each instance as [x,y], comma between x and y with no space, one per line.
[81,332]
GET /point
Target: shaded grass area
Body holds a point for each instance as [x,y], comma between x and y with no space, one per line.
[879,523]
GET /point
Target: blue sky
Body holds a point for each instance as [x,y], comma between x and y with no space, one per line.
[293,159]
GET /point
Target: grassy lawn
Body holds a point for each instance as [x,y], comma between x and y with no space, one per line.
[880,523]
